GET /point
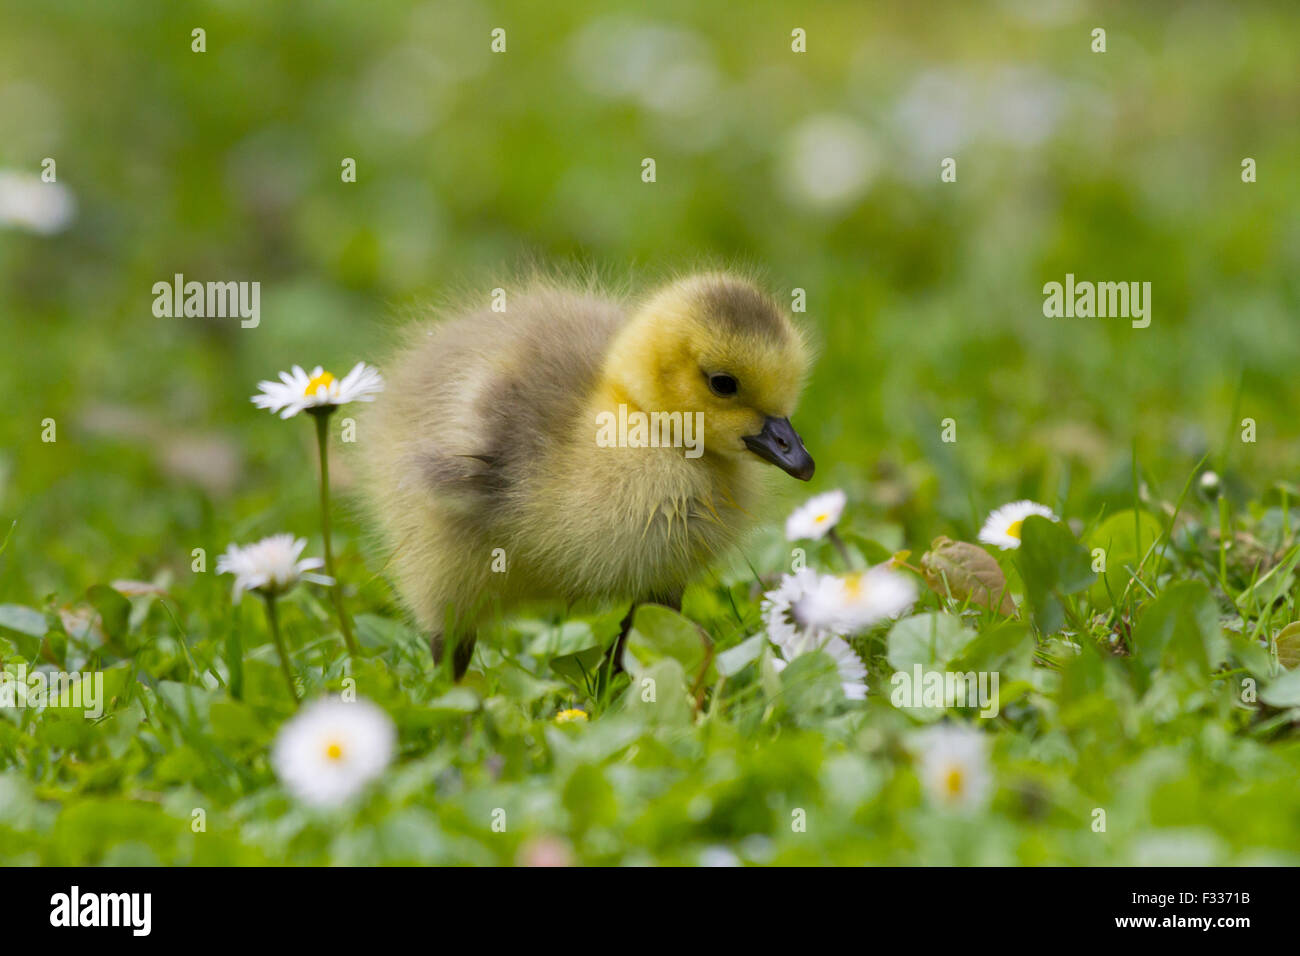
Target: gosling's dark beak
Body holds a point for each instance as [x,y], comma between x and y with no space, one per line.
[780,444]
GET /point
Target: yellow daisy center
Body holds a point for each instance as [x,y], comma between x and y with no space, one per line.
[953,782]
[853,585]
[564,716]
[821,518]
[334,751]
[324,378]
[1013,529]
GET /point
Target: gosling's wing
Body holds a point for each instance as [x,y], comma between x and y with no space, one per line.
[478,404]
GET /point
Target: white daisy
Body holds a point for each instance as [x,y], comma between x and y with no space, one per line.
[852,672]
[331,749]
[851,603]
[298,391]
[271,566]
[797,609]
[954,767]
[1003,525]
[816,516]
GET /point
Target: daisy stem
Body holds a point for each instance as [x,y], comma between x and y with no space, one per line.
[840,547]
[273,620]
[322,443]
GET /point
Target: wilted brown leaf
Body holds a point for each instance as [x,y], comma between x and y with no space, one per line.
[963,570]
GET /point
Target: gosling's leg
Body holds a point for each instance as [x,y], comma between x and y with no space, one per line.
[673,601]
[614,656]
[461,655]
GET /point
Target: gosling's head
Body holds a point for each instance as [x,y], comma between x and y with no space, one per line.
[716,344]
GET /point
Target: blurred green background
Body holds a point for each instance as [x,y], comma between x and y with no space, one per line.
[820,169]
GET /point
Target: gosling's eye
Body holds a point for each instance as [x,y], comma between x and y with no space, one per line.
[722,384]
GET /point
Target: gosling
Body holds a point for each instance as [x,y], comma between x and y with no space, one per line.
[575,447]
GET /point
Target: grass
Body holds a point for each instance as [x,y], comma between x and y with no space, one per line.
[1157,691]
[1159,702]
